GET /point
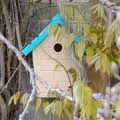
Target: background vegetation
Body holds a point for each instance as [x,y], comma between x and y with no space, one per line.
[98,25]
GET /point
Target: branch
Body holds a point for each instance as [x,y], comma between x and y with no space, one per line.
[114,8]
[32,77]
[27,67]
[3,109]
[2,66]
[8,81]
[79,64]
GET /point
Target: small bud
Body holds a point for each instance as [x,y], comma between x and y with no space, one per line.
[97,96]
[106,113]
[113,90]
[118,16]
[118,42]
[106,105]
[108,90]
[114,68]
[114,98]
[108,96]
[117,115]
[119,62]
[100,113]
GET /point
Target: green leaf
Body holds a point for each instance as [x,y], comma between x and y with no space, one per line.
[48,108]
[58,108]
[70,39]
[106,64]
[83,98]
[103,63]
[57,66]
[11,100]
[45,104]
[77,92]
[24,98]
[73,73]
[61,34]
[70,11]
[37,104]
[98,9]
[98,64]
[94,37]
[117,105]
[68,109]
[16,97]
[90,53]
[68,113]
[53,29]
[80,48]
[114,29]
[86,29]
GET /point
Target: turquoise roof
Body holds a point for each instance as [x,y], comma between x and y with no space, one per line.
[57,19]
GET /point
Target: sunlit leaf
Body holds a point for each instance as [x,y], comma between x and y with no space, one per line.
[24,98]
[106,64]
[70,39]
[11,100]
[114,29]
[83,97]
[45,104]
[61,34]
[94,37]
[86,29]
[48,108]
[58,108]
[37,104]
[117,105]
[103,63]
[70,11]
[98,9]
[73,73]
[80,49]
[98,64]
[53,29]
[16,97]
[90,53]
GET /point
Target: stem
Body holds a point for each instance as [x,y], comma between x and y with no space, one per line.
[2,66]
[8,81]
[60,65]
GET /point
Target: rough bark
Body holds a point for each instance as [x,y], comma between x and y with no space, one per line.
[3,109]
[2,66]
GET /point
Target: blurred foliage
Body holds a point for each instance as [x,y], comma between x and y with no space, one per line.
[98,44]
[83,98]
[100,50]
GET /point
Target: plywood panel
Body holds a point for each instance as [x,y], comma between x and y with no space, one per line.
[44,66]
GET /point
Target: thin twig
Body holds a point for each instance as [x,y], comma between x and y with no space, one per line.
[60,65]
[5,86]
[27,67]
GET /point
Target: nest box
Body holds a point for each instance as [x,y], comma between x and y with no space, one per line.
[44,46]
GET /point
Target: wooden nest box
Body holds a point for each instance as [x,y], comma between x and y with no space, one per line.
[47,53]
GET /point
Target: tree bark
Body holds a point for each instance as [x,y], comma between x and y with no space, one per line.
[2,66]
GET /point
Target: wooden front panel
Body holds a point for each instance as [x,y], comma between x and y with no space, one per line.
[45,66]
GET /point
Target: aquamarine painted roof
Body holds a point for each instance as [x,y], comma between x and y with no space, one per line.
[57,19]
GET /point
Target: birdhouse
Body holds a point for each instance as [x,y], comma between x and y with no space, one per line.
[48,53]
